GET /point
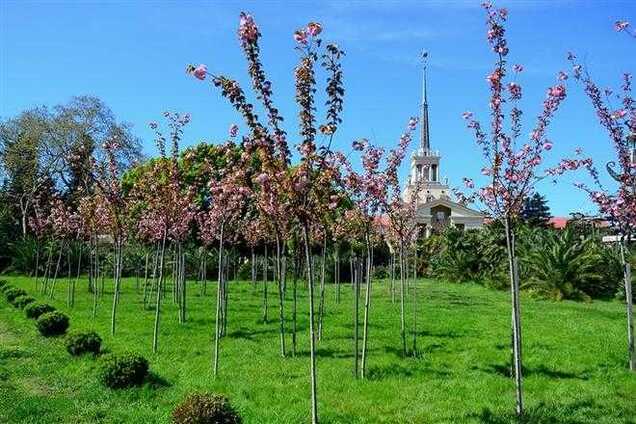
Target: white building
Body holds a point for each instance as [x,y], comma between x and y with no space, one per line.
[435,208]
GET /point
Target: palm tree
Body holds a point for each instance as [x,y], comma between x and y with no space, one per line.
[562,264]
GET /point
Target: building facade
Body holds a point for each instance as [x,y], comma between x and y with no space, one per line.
[435,208]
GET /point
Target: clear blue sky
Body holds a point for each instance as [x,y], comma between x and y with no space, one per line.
[133,56]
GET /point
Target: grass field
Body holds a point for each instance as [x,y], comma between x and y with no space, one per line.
[574,356]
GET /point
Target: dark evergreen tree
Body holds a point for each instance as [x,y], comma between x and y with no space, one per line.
[536,211]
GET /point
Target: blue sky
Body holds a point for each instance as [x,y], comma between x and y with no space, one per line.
[133,56]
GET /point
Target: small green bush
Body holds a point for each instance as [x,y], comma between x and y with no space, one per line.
[52,323]
[121,371]
[205,408]
[35,309]
[12,293]
[80,343]
[6,288]
[21,301]
[3,283]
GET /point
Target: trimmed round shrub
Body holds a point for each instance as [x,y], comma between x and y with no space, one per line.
[12,293]
[35,309]
[52,323]
[80,343]
[205,408]
[22,301]
[121,371]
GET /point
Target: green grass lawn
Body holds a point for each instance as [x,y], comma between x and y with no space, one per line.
[575,359]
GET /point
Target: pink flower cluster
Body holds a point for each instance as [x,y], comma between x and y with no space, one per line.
[303,35]
[247,31]
[511,167]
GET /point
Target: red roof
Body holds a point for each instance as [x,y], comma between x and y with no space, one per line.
[559,222]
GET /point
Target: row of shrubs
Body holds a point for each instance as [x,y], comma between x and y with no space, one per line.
[117,371]
[49,321]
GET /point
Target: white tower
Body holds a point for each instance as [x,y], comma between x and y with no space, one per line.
[425,163]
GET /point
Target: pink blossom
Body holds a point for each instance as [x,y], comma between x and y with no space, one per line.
[621,25]
[547,146]
[300,36]
[262,178]
[562,76]
[248,31]
[314,28]
[467,115]
[200,72]
[618,114]
[494,77]
[233,131]
[515,90]
[557,91]
[517,68]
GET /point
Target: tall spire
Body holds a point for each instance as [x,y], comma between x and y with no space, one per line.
[424,130]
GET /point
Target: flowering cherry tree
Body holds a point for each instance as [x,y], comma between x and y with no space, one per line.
[619,205]
[511,162]
[369,192]
[167,211]
[305,189]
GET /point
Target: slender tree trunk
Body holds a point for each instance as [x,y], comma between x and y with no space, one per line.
[57,268]
[253,267]
[392,273]
[226,277]
[217,323]
[294,304]
[353,284]
[336,273]
[37,261]
[95,278]
[402,312]
[312,334]
[367,305]
[145,284]
[281,297]
[155,333]
[414,289]
[627,270]
[516,316]
[355,278]
[68,275]
[265,286]
[118,266]
[79,271]
[205,274]
[321,307]
[47,270]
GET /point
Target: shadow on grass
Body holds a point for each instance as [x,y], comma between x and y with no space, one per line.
[542,370]
[13,353]
[450,334]
[250,334]
[452,299]
[156,381]
[545,414]
[326,353]
[376,373]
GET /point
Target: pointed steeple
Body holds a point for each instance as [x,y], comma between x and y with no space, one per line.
[424,129]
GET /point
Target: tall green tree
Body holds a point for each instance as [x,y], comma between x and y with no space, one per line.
[536,211]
